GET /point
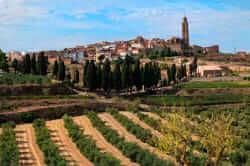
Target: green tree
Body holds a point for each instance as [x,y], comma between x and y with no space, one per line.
[117,78]
[27,64]
[3,62]
[33,64]
[14,64]
[125,76]
[137,75]
[42,64]
[91,76]
[173,73]
[61,71]
[85,73]
[106,76]
[55,68]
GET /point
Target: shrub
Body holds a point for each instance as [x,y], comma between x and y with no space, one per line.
[143,134]
[9,153]
[129,149]
[49,149]
[87,146]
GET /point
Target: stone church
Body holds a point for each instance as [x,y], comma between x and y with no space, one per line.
[181,45]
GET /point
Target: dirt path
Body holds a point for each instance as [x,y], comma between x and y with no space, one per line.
[136,120]
[111,122]
[85,123]
[66,147]
[30,153]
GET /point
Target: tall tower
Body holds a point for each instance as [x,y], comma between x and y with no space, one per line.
[185,31]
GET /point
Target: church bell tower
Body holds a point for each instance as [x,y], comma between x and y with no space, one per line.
[185,31]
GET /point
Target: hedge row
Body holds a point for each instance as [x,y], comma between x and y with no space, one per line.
[128,149]
[50,150]
[142,134]
[87,146]
[9,153]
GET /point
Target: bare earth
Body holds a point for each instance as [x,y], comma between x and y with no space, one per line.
[136,120]
[30,153]
[66,147]
[85,123]
[111,122]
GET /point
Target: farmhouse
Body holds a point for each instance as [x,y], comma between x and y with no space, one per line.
[209,71]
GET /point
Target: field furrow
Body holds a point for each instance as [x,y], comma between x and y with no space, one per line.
[136,120]
[30,153]
[88,128]
[66,147]
[111,122]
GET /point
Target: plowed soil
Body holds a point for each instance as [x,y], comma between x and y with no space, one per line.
[69,146]
[111,122]
[28,133]
[85,123]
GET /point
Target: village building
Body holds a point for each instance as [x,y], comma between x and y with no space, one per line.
[209,71]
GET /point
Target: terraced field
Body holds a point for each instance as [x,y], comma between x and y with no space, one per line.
[120,138]
[31,155]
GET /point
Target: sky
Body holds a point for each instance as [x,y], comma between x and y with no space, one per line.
[30,25]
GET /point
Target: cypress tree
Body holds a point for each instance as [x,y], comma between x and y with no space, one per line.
[33,64]
[125,76]
[147,77]
[55,68]
[61,71]
[173,72]
[27,64]
[91,76]
[3,62]
[137,75]
[117,78]
[85,73]
[169,73]
[15,64]
[106,76]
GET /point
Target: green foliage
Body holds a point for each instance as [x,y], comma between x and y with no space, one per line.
[91,76]
[217,84]
[42,64]
[106,76]
[156,124]
[196,100]
[144,135]
[117,80]
[61,71]
[49,149]
[27,64]
[9,153]
[9,79]
[14,64]
[3,62]
[87,146]
[33,65]
[128,149]
[55,69]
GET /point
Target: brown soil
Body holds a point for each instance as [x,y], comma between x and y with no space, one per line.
[136,120]
[111,122]
[29,150]
[67,148]
[88,129]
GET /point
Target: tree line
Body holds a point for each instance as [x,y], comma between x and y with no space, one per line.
[122,76]
[36,65]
